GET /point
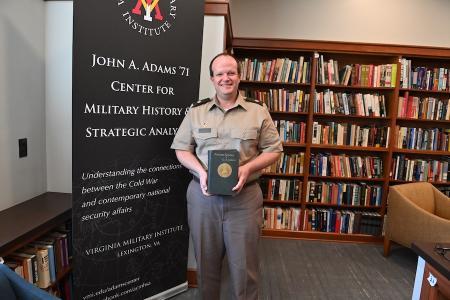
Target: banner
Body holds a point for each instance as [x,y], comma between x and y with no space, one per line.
[136,69]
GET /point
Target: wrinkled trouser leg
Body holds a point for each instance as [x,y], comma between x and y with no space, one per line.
[242,229]
[220,224]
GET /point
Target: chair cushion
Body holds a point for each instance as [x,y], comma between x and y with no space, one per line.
[6,290]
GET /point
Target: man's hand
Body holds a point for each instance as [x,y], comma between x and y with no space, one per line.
[263,160]
[204,183]
[190,161]
[243,173]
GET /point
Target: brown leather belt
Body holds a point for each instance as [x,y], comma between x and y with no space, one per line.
[245,185]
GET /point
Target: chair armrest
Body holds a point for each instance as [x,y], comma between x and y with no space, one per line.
[442,204]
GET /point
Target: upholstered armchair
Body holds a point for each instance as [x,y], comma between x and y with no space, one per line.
[417,212]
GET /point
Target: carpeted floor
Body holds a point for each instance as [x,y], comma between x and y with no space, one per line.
[301,269]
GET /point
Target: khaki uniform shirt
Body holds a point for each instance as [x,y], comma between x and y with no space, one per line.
[246,127]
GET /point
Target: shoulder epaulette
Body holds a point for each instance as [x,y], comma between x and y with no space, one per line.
[253,101]
[201,102]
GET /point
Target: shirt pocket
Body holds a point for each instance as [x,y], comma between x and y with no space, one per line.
[246,140]
[205,135]
[244,134]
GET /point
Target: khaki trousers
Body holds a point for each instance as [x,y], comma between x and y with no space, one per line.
[228,225]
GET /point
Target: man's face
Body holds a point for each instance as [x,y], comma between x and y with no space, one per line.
[225,77]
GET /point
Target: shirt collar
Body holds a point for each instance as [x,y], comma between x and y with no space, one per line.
[240,101]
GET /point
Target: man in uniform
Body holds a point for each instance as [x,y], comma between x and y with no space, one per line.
[228,225]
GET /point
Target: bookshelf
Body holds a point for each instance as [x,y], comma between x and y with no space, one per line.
[357,103]
[29,221]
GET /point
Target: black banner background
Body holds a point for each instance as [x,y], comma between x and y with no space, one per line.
[130,234]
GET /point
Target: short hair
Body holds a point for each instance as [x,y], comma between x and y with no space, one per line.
[211,73]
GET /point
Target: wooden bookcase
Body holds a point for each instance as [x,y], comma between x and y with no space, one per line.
[29,220]
[346,54]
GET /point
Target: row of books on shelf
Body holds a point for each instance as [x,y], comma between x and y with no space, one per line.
[434,139]
[281,189]
[402,168]
[329,72]
[423,78]
[280,100]
[291,131]
[408,169]
[342,165]
[340,193]
[335,193]
[276,70]
[426,108]
[343,221]
[290,163]
[41,261]
[324,220]
[285,218]
[348,134]
[357,104]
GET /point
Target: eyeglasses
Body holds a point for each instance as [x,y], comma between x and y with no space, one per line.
[444,251]
[229,74]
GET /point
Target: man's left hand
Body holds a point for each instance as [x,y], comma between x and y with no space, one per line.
[243,174]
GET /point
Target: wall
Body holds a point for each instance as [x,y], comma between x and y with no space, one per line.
[213,43]
[22,100]
[405,22]
[58,95]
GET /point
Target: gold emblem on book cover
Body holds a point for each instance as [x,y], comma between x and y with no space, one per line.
[224,170]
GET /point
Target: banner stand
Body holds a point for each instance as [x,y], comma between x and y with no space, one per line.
[171,292]
[136,70]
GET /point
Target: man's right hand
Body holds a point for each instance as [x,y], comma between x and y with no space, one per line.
[204,183]
[190,161]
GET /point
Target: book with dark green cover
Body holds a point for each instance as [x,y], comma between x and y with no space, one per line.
[223,168]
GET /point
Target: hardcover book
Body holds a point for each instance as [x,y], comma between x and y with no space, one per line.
[25,262]
[42,263]
[223,168]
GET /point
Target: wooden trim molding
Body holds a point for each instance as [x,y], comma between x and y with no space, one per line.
[221,8]
[192,278]
[316,235]
[350,47]
[216,7]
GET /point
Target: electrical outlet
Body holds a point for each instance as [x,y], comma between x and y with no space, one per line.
[23,148]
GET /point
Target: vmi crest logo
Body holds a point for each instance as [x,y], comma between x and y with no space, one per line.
[148,17]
